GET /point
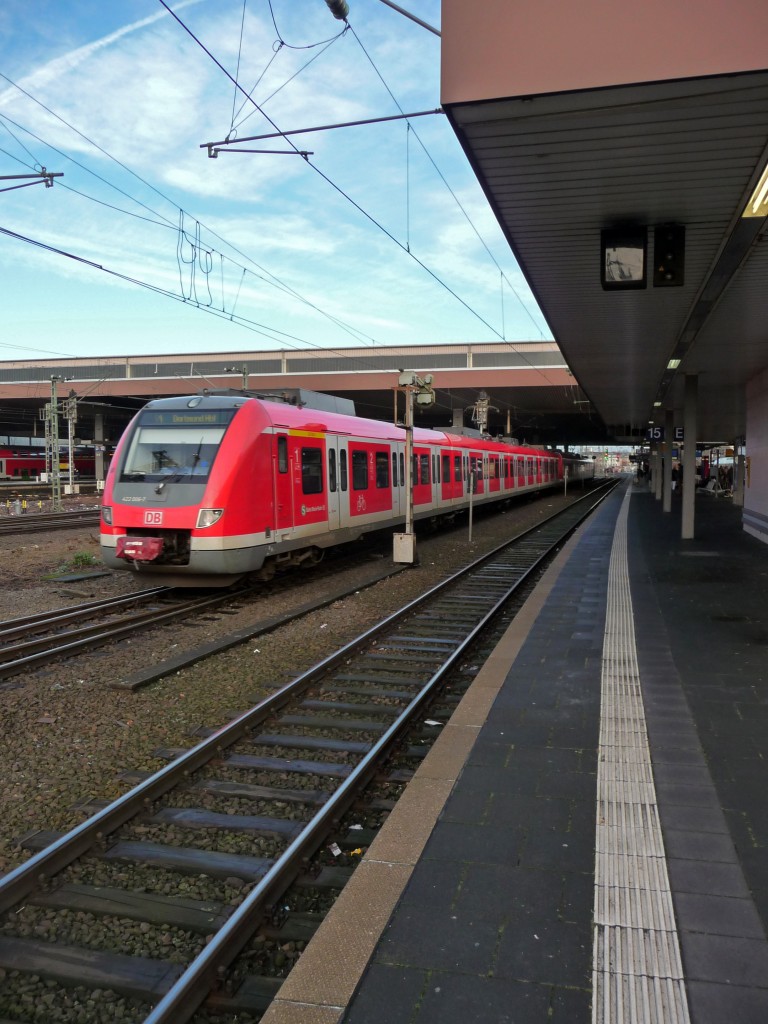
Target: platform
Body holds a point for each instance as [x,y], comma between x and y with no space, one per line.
[588,840]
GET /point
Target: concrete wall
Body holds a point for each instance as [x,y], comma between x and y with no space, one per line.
[496,48]
[756,490]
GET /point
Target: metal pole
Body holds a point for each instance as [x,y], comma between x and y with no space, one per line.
[55,468]
[98,439]
[70,411]
[71,451]
[404,544]
[471,500]
[688,525]
[669,433]
[409,462]
[412,17]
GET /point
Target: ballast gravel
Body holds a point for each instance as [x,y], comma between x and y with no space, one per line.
[68,734]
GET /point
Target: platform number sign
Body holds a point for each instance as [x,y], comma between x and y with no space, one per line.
[657,434]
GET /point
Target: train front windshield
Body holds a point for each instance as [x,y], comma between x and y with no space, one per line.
[175,445]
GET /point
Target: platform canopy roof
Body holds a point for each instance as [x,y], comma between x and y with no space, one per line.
[668,161]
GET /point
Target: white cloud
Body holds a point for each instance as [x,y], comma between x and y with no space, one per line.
[149,96]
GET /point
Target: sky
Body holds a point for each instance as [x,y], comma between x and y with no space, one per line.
[379,235]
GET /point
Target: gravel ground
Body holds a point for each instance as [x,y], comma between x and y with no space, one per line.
[67,735]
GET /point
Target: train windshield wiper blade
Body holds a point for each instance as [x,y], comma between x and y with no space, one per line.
[182,471]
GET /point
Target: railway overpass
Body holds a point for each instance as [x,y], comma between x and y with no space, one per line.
[527,386]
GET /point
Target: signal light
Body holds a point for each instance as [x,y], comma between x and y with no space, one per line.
[338,8]
[668,256]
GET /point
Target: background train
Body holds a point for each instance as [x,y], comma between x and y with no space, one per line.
[204,489]
[28,463]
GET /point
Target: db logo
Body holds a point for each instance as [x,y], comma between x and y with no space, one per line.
[153,518]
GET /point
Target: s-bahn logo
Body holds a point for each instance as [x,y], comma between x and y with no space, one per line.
[153,518]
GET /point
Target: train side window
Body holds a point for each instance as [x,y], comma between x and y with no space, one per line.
[282,453]
[425,469]
[359,471]
[457,467]
[394,469]
[382,469]
[343,468]
[311,471]
[414,470]
[402,469]
[447,468]
[332,471]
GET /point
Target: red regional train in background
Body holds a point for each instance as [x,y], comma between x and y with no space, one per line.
[205,489]
[19,463]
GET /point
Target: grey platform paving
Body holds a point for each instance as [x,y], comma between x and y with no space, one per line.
[477,903]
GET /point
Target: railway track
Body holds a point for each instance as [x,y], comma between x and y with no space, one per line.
[300,759]
[31,641]
[46,521]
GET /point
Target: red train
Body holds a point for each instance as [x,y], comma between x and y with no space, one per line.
[204,489]
[25,463]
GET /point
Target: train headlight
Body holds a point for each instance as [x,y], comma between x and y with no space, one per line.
[208,516]
[106,514]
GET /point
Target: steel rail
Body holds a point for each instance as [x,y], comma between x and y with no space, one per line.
[21,880]
[9,628]
[96,635]
[186,994]
[49,521]
[184,998]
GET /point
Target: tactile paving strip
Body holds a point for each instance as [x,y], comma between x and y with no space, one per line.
[637,973]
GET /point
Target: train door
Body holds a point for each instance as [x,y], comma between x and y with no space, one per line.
[446,477]
[281,475]
[333,486]
[476,473]
[398,480]
[437,476]
[343,483]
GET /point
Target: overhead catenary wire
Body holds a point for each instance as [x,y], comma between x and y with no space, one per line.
[445,182]
[333,184]
[163,221]
[406,247]
[193,298]
[269,278]
[358,334]
[272,333]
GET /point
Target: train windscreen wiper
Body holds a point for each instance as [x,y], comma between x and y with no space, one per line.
[182,471]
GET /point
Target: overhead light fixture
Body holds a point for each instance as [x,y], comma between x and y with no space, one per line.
[758,201]
[657,405]
[673,364]
[622,256]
